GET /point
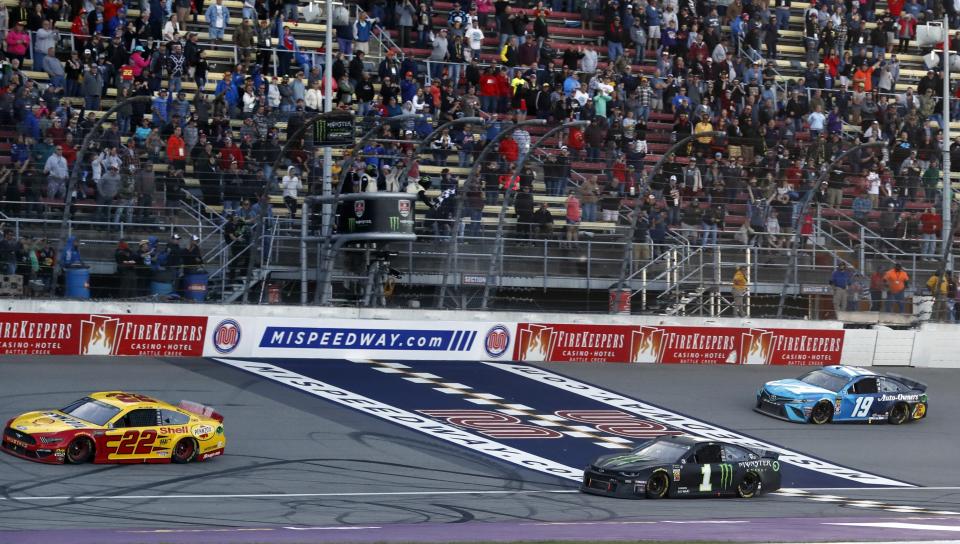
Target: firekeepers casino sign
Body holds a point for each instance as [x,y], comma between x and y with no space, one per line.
[668,344]
[91,334]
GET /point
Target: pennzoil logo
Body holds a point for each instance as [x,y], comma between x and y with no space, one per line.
[726,475]
[99,335]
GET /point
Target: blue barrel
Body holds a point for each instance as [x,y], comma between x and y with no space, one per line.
[195,286]
[160,288]
[78,282]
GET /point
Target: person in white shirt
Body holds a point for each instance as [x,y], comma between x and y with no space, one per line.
[391,178]
[817,121]
[314,97]
[249,102]
[273,94]
[171,30]
[581,96]
[589,61]
[291,185]
[475,39]
[873,188]
[56,170]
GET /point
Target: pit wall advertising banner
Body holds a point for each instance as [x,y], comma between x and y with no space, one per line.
[351,339]
[555,342]
[94,334]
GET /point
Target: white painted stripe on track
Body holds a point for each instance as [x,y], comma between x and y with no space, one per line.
[286,495]
[900,525]
[922,488]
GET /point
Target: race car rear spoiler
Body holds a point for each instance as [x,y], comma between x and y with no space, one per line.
[200,409]
[913,384]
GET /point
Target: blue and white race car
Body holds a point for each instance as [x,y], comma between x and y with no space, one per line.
[844,394]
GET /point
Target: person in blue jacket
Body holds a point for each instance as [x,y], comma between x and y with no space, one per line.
[70,256]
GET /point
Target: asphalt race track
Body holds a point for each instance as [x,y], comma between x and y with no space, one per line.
[300,468]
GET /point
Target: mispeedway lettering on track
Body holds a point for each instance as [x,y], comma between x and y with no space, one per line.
[408,419]
[512,416]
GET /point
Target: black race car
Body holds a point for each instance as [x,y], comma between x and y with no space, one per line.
[683,466]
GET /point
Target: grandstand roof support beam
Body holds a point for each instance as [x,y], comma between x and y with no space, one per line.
[947,197]
[790,276]
[75,173]
[453,252]
[631,231]
[328,209]
[422,146]
[495,256]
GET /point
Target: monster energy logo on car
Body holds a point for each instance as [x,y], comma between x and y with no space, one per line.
[394,223]
[726,475]
[621,460]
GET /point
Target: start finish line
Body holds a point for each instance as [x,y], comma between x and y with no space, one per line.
[522,414]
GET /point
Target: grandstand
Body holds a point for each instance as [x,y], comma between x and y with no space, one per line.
[749,186]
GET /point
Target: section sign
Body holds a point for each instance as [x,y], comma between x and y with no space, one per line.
[566,342]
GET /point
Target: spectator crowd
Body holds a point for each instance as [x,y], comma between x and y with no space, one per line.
[663,72]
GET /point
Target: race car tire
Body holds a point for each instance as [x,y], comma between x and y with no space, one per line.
[658,485]
[899,414]
[821,413]
[79,451]
[184,451]
[749,486]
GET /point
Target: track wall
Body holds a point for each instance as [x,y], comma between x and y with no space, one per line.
[168,330]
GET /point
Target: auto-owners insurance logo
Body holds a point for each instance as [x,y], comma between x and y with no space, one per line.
[226,336]
[497,341]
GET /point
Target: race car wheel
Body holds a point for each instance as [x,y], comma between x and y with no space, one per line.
[900,414]
[658,485]
[749,486]
[79,451]
[821,413]
[184,451]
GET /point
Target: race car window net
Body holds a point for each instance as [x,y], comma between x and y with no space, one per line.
[92,411]
[173,417]
[825,380]
[661,451]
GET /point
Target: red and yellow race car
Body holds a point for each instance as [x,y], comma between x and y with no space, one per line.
[117,427]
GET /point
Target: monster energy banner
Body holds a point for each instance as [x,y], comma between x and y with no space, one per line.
[334,129]
[374,216]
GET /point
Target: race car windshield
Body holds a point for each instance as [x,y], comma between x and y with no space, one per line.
[825,380]
[92,411]
[662,451]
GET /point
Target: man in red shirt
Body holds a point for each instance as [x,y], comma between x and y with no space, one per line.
[176,149]
[931,223]
[489,91]
[230,153]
